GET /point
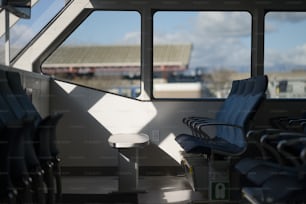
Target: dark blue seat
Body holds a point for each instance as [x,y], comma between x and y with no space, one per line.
[8,192]
[40,146]
[267,141]
[192,121]
[257,170]
[277,183]
[45,135]
[14,172]
[231,124]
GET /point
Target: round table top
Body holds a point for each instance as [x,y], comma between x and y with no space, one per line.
[128,140]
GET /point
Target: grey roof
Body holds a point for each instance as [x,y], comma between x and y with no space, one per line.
[123,55]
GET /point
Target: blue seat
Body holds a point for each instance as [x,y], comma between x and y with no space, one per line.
[256,170]
[231,123]
[192,121]
[14,172]
[277,183]
[45,135]
[267,141]
[40,148]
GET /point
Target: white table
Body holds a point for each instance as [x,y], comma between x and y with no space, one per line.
[128,146]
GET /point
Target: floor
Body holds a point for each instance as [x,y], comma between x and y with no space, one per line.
[156,189]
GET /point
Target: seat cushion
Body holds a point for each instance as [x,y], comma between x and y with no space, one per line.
[277,189]
[197,145]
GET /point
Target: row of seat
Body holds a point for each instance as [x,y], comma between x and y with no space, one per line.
[275,172]
[28,153]
[225,135]
[278,176]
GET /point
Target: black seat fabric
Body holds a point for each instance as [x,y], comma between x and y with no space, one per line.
[248,165]
[222,114]
[276,183]
[270,156]
[278,189]
[40,141]
[15,169]
[231,122]
[8,192]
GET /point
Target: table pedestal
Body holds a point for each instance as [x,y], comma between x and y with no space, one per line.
[128,169]
[128,146]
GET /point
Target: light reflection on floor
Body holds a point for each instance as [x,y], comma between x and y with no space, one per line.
[158,189]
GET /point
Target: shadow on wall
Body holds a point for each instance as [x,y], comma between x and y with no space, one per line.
[91,116]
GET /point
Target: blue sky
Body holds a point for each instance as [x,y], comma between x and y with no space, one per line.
[26,29]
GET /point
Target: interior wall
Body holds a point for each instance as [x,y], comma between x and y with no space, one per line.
[91,116]
[38,86]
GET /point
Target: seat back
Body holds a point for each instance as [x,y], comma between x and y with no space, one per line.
[244,104]
[12,110]
[14,82]
[9,97]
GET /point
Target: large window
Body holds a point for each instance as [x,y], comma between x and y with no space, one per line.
[24,30]
[285,54]
[2,50]
[199,54]
[102,53]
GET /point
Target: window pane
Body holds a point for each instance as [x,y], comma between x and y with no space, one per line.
[2,50]
[198,54]
[285,54]
[26,29]
[102,53]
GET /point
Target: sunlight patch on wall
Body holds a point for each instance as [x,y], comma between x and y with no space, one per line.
[172,148]
[122,115]
[68,88]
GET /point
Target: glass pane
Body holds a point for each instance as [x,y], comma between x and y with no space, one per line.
[26,29]
[202,53]
[285,54]
[2,49]
[102,53]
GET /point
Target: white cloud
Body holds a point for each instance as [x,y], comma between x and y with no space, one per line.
[131,38]
[298,55]
[234,24]
[274,20]
[288,59]
[21,34]
[294,54]
[217,39]
[292,17]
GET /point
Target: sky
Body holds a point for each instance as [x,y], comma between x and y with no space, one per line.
[25,29]
[219,39]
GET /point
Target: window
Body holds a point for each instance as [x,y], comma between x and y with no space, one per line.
[24,30]
[199,54]
[2,50]
[102,53]
[285,54]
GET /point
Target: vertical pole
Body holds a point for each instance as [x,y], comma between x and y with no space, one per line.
[147,55]
[128,169]
[258,29]
[7,38]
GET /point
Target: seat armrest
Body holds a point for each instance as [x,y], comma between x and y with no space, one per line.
[200,126]
[211,134]
[297,122]
[280,136]
[258,133]
[298,157]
